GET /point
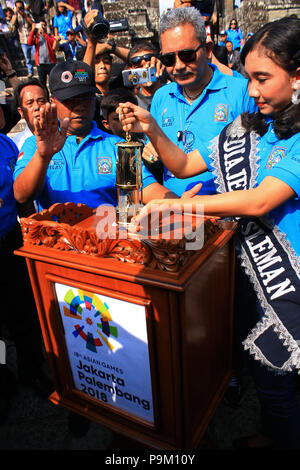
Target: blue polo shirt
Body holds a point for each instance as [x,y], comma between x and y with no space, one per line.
[84,173]
[8,210]
[280,159]
[191,126]
[63,23]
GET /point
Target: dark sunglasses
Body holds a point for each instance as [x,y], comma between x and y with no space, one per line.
[185,55]
[138,59]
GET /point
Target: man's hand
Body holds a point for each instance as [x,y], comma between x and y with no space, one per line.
[134,118]
[49,138]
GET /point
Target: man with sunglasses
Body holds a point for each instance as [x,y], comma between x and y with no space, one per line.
[200,101]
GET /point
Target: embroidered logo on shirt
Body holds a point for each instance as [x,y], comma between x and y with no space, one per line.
[221,113]
[275,156]
[165,120]
[104,165]
[56,163]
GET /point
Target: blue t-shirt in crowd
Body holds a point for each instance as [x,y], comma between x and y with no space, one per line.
[236,37]
[8,209]
[191,125]
[63,23]
[84,173]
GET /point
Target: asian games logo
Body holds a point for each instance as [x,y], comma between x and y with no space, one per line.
[92,320]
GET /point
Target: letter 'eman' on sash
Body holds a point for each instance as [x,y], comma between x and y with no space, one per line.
[267,257]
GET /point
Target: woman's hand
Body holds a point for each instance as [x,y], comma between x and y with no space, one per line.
[192,193]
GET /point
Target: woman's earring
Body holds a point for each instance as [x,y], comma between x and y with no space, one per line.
[296,93]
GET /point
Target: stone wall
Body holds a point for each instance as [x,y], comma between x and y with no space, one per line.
[252,15]
[143,18]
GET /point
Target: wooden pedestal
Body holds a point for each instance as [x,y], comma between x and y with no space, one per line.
[138,334]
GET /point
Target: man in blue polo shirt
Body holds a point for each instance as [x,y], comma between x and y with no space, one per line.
[76,162]
[199,102]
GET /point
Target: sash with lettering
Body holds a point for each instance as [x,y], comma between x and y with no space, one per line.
[266,255]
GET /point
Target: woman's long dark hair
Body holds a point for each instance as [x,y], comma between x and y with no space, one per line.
[281,41]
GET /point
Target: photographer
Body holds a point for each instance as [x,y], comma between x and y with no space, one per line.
[45,58]
[98,57]
[93,43]
[22,22]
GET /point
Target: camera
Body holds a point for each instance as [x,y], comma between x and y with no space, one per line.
[133,77]
[99,29]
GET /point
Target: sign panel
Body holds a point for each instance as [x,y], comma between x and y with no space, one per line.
[107,344]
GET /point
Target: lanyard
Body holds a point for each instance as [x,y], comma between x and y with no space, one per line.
[73,50]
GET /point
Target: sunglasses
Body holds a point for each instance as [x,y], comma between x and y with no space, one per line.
[185,55]
[139,58]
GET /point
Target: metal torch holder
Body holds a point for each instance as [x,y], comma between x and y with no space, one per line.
[129,180]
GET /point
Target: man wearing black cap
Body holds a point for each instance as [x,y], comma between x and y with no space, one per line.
[72,162]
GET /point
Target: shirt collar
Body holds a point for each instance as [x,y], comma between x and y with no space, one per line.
[95,134]
[217,82]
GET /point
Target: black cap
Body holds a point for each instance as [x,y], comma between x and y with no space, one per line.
[71,78]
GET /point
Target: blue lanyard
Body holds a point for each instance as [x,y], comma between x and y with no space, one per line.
[74,51]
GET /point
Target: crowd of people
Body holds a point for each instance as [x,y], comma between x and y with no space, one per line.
[220,131]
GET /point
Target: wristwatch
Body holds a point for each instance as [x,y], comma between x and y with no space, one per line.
[11,74]
[113,45]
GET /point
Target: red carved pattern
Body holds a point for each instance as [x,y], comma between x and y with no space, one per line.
[62,234]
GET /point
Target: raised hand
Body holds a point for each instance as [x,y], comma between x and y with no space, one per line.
[49,138]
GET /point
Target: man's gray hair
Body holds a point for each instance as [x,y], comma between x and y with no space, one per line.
[179,16]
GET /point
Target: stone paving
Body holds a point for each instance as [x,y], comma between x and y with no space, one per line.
[37,424]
